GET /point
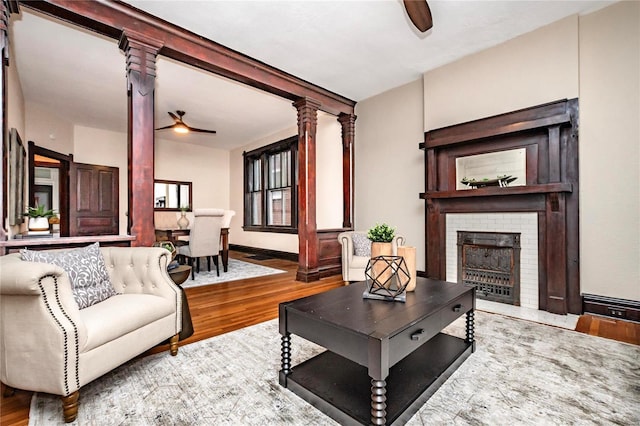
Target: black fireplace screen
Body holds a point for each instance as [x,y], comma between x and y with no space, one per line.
[490,261]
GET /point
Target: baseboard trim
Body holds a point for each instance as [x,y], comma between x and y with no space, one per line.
[611,307]
[266,252]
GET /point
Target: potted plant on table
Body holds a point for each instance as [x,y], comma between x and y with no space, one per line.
[39,217]
[381,236]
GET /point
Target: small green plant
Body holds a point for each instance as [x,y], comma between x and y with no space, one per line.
[184,208]
[39,211]
[381,233]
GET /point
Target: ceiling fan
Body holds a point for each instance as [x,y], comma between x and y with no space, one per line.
[419,13]
[180,126]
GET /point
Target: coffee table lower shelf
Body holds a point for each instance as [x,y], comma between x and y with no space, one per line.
[341,388]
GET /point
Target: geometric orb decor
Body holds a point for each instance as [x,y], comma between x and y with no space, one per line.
[387,278]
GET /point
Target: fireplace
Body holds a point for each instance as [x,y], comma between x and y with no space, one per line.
[539,146]
[490,261]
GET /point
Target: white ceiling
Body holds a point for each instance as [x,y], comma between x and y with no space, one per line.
[355,48]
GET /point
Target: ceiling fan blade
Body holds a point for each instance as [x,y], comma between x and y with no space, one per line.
[175,117]
[419,13]
[166,127]
[193,129]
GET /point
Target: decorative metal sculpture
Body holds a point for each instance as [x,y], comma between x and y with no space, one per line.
[387,278]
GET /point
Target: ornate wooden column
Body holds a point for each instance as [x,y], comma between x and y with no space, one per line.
[141,52]
[307,231]
[348,123]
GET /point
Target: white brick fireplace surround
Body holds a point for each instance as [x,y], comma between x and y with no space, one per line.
[527,225]
[524,223]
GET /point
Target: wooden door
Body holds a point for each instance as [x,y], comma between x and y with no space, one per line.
[94,200]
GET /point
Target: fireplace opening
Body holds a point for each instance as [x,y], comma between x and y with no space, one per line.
[490,261]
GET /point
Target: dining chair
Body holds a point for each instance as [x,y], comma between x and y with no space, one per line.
[204,239]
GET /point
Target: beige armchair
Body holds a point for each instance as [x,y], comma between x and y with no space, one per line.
[204,239]
[355,255]
[48,344]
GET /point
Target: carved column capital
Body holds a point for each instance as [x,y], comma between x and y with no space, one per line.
[348,123]
[307,111]
[141,52]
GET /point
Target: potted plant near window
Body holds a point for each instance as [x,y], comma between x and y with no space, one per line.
[39,217]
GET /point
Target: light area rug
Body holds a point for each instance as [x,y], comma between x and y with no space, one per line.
[237,270]
[522,373]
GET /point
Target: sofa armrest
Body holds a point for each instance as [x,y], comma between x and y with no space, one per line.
[347,246]
[18,277]
[41,330]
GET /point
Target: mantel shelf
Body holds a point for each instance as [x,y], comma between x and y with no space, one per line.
[498,191]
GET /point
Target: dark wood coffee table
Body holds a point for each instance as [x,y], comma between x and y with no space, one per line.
[384,359]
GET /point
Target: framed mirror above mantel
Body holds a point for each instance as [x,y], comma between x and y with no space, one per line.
[172,195]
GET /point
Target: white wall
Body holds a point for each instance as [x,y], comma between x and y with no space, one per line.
[328,172]
[535,68]
[207,169]
[610,151]
[105,148]
[389,167]
[48,129]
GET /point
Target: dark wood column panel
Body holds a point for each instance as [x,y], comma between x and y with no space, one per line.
[549,134]
[141,52]
[111,18]
[348,123]
[307,229]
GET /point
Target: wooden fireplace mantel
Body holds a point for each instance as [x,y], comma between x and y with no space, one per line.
[496,191]
[549,134]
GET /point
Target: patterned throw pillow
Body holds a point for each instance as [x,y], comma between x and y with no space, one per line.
[361,245]
[88,273]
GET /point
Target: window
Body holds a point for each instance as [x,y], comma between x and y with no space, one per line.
[270,174]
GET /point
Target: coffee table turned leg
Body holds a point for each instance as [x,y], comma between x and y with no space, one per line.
[378,402]
[286,354]
[470,320]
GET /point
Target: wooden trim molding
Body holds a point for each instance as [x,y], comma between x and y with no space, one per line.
[112,18]
[611,307]
[266,252]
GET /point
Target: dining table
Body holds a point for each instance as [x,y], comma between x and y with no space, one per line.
[172,234]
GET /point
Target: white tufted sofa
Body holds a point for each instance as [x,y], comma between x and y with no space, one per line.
[49,345]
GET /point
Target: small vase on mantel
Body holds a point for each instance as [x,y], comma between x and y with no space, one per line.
[183,222]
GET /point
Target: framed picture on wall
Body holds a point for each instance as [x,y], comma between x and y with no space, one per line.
[17,178]
[43,196]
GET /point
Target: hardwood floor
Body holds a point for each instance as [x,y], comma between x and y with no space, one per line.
[230,306]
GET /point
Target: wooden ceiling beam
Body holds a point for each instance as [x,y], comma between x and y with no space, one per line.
[110,18]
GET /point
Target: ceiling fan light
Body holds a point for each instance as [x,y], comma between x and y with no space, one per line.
[180,128]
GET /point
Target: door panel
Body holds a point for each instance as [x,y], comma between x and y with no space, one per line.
[94,200]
